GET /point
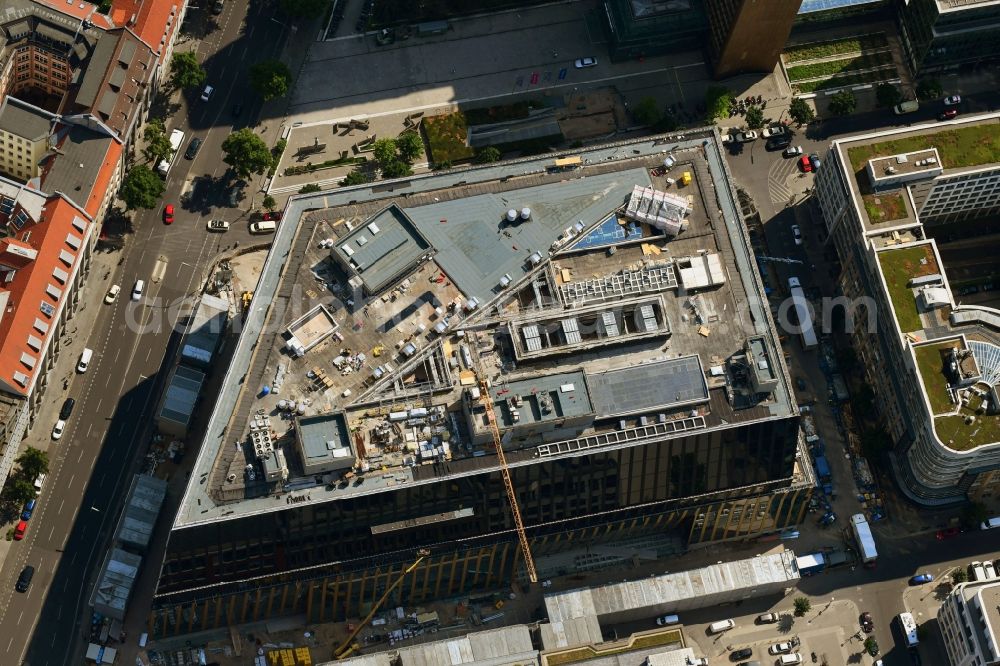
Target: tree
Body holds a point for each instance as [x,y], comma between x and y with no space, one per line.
[304,8]
[246,153]
[755,117]
[488,155]
[269,203]
[270,78]
[888,95]
[717,102]
[32,462]
[185,71]
[843,103]
[974,514]
[17,491]
[157,144]
[396,169]
[929,89]
[647,111]
[959,576]
[800,111]
[141,188]
[310,188]
[802,605]
[357,176]
[384,151]
[409,146]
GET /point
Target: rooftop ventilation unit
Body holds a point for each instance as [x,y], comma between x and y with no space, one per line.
[525,213]
[511,215]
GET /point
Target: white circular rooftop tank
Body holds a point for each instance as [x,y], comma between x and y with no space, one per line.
[525,213]
[511,215]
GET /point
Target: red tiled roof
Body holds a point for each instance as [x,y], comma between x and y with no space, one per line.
[34,297]
[102,179]
[155,20]
[79,10]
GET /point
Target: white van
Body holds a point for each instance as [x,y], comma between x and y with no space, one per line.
[978,572]
[84,362]
[990,571]
[263,227]
[720,626]
[795,658]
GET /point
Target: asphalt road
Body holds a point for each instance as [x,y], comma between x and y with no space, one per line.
[133,343]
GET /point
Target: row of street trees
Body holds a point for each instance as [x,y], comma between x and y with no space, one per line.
[20,484]
[268,78]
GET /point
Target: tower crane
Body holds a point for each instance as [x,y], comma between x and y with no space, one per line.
[522,537]
[349,647]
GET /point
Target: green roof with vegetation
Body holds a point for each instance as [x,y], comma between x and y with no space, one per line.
[587,652]
[958,435]
[885,207]
[931,365]
[816,50]
[960,147]
[899,267]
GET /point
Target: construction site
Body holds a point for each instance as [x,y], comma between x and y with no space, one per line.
[473,382]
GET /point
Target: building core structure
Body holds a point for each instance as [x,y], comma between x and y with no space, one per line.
[913,215]
[614,324]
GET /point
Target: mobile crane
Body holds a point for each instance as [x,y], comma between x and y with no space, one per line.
[349,647]
[522,537]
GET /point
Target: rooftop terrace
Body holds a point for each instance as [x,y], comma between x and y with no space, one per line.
[404,358]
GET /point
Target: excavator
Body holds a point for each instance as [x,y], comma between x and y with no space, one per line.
[349,646]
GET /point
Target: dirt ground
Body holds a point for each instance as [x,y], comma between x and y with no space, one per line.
[591,115]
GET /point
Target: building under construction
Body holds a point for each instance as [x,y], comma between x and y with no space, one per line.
[597,341]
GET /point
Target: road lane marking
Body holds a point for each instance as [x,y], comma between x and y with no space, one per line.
[20,617]
[52,532]
[61,505]
[100,484]
[72,478]
[79,458]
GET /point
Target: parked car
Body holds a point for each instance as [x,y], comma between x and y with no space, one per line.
[218,7]
[805,164]
[780,648]
[742,653]
[778,142]
[947,114]
[58,428]
[792,151]
[22,527]
[39,482]
[797,234]
[273,215]
[746,137]
[29,508]
[67,408]
[24,580]
[192,148]
[952,100]
[667,620]
[773,130]
[768,618]
[112,294]
[865,620]
[920,579]
[206,94]
[589,61]
[948,533]
[828,518]
[137,289]
[815,161]
[218,225]
[168,214]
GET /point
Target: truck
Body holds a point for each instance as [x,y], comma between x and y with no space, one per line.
[908,627]
[810,564]
[865,540]
[906,107]
[176,139]
[803,316]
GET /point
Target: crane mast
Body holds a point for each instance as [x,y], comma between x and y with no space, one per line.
[522,537]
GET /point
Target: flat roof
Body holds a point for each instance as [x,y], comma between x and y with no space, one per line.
[325,440]
[685,590]
[381,248]
[475,249]
[144,502]
[181,395]
[205,330]
[567,391]
[24,120]
[642,388]
[421,334]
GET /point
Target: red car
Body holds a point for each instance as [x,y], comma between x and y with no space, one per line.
[948,533]
[805,164]
[168,214]
[19,531]
[273,216]
[948,114]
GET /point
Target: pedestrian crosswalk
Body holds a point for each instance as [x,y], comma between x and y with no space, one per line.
[781,181]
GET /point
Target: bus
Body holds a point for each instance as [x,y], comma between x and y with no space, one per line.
[804,320]
[176,139]
[908,627]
